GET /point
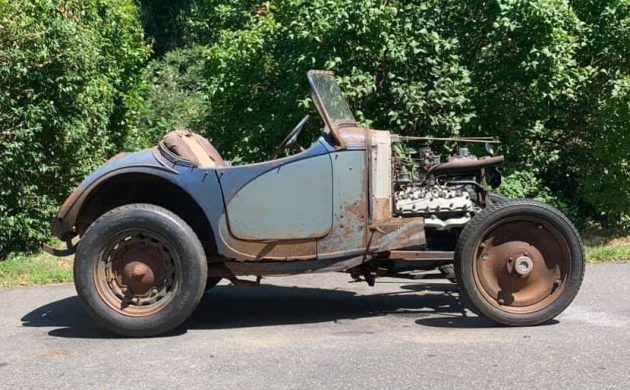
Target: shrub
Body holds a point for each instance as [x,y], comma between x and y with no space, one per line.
[549,77]
[68,70]
[397,67]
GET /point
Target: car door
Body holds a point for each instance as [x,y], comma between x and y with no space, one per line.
[280,200]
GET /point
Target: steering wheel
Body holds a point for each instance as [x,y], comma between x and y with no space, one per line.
[291,138]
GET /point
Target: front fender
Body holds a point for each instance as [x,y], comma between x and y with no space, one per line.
[146,161]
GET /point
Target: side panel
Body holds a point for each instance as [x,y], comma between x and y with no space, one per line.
[350,204]
[393,232]
[244,250]
[381,175]
[289,202]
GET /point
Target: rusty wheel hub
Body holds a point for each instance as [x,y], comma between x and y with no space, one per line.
[137,275]
[521,265]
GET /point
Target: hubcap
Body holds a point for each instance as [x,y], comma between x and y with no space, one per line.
[137,274]
[521,264]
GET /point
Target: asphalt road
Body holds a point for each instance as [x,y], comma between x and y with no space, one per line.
[322,332]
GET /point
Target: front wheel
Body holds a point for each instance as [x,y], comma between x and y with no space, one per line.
[140,270]
[519,262]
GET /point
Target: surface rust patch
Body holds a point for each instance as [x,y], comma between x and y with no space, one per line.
[382,209]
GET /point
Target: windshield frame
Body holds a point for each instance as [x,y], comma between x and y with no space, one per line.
[317,98]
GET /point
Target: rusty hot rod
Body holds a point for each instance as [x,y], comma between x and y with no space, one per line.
[152,230]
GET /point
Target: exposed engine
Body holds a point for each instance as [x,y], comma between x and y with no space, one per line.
[446,194]
[436,203]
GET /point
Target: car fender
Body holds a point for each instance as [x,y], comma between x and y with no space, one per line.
[195,182]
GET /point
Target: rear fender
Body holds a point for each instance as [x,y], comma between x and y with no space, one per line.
[201,184]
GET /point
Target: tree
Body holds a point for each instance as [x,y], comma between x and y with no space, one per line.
[68,73]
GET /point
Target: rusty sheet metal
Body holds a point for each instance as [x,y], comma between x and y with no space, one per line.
[145,161]
[350,207]
[285,250]
[260,268]
[398,233]
[422,255]
[381,209]
[353,137]
[466,165]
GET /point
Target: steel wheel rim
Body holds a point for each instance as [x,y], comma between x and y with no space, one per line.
[137,273]
[500,264]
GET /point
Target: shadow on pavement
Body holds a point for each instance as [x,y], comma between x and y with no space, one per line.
[227,307]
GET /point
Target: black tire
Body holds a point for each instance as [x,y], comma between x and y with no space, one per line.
[492,242]
[175,264]
[448,270]
[496,198]
[212,282]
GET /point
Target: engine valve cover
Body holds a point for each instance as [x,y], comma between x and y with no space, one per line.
[433,200]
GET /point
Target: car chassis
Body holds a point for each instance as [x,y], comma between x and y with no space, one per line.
[153,229]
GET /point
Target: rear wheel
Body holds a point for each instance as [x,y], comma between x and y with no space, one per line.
[140,270]
[519,262]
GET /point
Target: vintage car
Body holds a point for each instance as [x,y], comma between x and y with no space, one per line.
[153,230]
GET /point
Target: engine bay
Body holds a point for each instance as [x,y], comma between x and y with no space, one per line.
[446,190]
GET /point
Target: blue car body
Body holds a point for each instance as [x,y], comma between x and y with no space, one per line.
[312,205]
[319,206]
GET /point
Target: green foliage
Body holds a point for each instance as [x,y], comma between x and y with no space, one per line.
[163,23]
[602,113]
[397,67]
[173,96]
[551,78]
[67,70]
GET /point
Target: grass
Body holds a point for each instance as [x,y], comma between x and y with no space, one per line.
[602,246]
[42,268]
[600,254]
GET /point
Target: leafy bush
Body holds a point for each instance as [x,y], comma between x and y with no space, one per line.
[174,95]
[68,70]
[551,78]
[397,67]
